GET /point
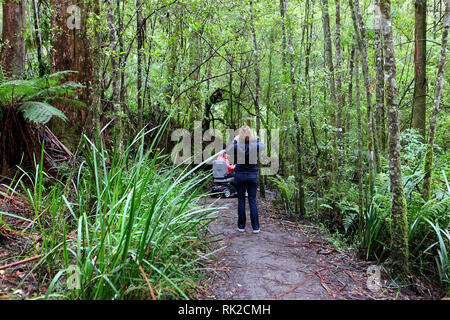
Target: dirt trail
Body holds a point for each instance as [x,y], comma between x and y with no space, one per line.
[286,260]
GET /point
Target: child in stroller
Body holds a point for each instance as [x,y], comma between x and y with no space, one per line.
[223,177]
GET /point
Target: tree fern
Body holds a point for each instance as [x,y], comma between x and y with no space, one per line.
[40,112]
[286,188]
[32,97]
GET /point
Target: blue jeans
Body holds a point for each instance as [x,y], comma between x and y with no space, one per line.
[247,181]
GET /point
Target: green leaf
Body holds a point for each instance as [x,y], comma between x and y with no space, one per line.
[40,112]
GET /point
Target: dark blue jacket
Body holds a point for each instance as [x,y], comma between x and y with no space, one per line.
[245,155]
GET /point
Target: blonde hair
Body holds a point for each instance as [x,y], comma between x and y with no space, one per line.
[245,134]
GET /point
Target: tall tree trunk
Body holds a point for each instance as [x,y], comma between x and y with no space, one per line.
[359,125]
[283,138]
[120,29]
[230,89]
[13,51]
[37,31]
[97,63]
[195,58]
[420,71]
[332,84]
[257,91]
[269,92]
[379,91]
[115,80]
[300,198]
[360,32]
[350,99]
[436,105]
[71,51]
[140,44]
[15,145]
[329,55]
[283,33]
[308,100]
[399,232]
[339,81]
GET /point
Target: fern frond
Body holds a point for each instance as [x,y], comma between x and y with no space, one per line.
[66,101]
[65,88]
[11,91]
[40,112]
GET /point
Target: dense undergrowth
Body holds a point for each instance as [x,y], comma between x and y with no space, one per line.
[129,225]
[429,222]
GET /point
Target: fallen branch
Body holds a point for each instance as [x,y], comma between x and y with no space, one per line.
[322,282]
[292,288]
[277,281]
[351,276]
[326,253]
[20,262]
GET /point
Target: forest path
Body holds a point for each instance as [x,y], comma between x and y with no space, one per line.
[286,260]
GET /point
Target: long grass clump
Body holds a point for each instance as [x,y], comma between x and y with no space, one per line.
[131,226]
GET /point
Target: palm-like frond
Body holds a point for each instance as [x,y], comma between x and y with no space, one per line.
[13,91]
[33,96]
[65,88]
[40,112]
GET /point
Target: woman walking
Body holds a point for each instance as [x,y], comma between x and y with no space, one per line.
[246,150]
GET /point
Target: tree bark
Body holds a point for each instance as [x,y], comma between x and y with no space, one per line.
[399,232]
[284,73]
[283,33]
[123,85]
[71,51]
[329,54]
[339,82]
[332,84]
[350,97]
[420,62]
[360,32]
[140,44]
[359,126]
[428,165]
[115,81]
[97,63]
[379,91]
[300,203]
[37,32]
[13,51]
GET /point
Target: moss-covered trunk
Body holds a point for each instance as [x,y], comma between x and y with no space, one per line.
[300,196]
[360,33]
[399,232]
[436,104]
[420,70]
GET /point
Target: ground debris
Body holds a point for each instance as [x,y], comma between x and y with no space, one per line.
[287,260]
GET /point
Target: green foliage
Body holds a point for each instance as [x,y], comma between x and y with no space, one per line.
[412,152]
[40,112]
[131,225]
[428,250]
[32,97]
[442,257]
[287,189]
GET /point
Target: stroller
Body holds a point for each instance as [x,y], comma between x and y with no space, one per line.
[223,184]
